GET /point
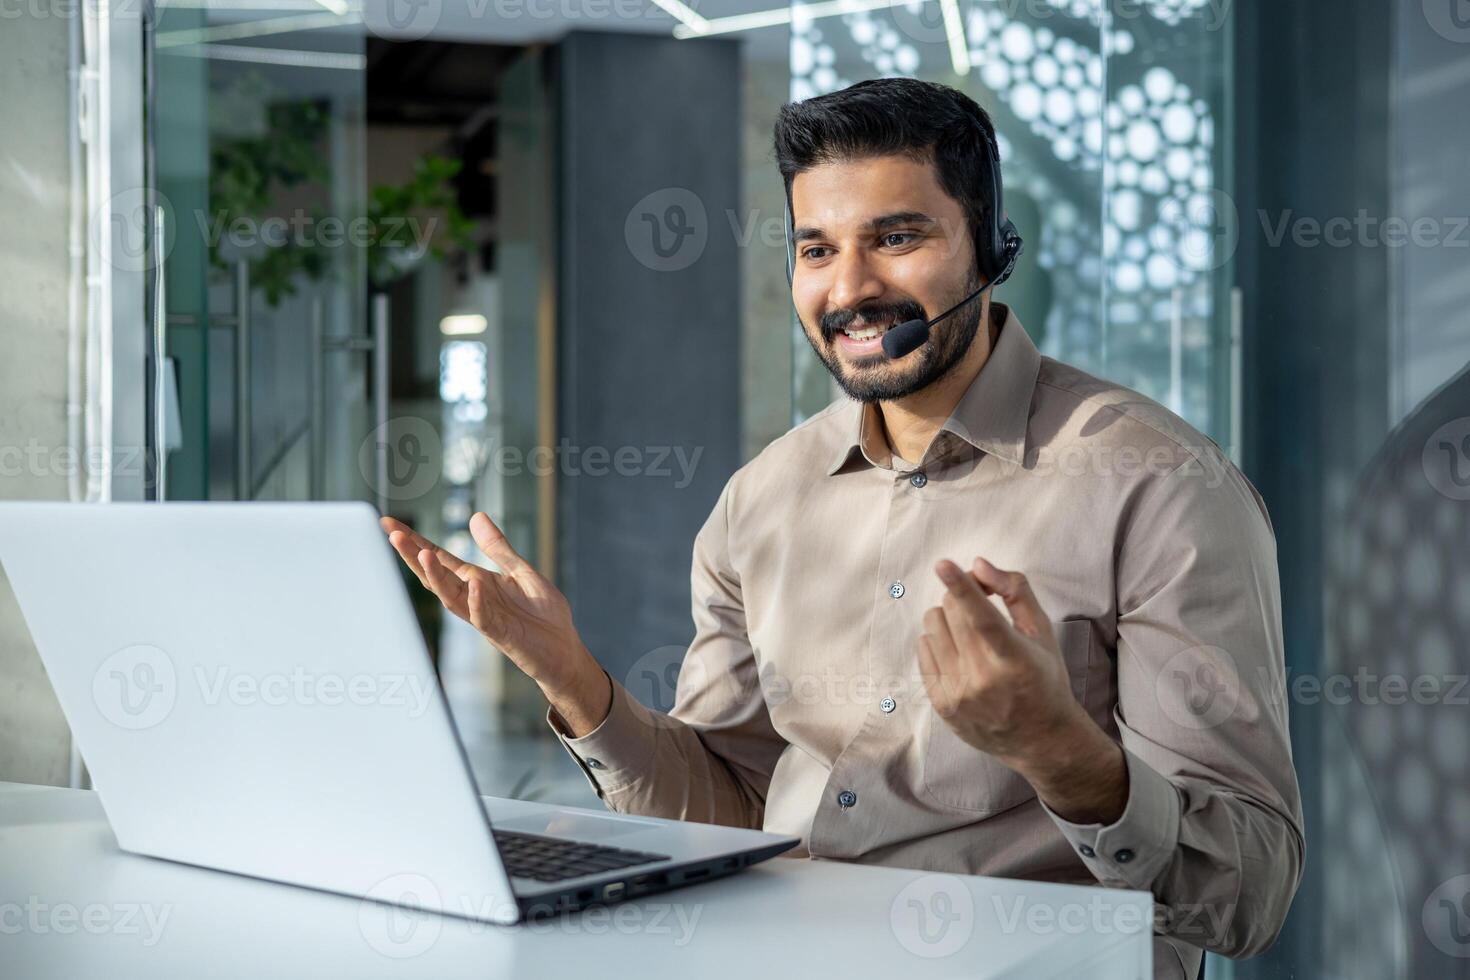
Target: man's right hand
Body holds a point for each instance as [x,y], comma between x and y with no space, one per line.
[518,611]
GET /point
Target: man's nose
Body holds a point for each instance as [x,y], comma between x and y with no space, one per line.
[853,282]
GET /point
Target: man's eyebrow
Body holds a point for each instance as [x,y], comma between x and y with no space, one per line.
[806,233]
[900,218]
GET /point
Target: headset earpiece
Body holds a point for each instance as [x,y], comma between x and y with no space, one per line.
[790,248]
[1011,248]
[1004,240]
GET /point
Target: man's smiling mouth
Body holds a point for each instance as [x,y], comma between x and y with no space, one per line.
[867,332]
[862,340]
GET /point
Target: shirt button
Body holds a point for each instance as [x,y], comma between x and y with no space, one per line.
[896,590]
[847,798]
[918,480]
[1087,851]
[594,763]
[888,704]
[1123,855]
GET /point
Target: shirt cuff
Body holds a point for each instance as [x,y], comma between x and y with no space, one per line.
[1133,850]
[616,752]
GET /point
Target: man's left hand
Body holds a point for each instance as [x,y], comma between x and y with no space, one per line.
[1003,688]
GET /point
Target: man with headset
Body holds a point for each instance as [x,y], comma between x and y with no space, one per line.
[987,614]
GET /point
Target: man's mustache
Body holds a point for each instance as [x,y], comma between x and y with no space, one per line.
[891,313]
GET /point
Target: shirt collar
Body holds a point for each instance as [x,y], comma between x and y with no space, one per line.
[991,415]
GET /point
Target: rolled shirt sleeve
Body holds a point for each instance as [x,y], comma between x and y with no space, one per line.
[1213,823]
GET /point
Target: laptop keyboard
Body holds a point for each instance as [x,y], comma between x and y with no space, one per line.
[553,859]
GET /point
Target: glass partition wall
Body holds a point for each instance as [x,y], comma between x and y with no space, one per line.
[1111,131]
[256,119]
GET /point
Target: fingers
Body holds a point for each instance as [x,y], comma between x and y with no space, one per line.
[409,552]
[1015,591]
[408,543]
[464,589]
[476,602]
[396,529]
[964,597]
[943,652]
[928,668]
[933,676]
[480,614]
[494,544]
[449,588]
[940,663]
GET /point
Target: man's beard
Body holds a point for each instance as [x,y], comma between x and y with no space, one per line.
[948,341]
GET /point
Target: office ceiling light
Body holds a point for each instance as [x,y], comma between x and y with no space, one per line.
[686,16]
[252,28]
[954,28]
[281,6]
[338,7]
[285,57]
[782,15]
[462,324]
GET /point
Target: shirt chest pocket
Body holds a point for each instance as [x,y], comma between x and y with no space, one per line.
[958,775]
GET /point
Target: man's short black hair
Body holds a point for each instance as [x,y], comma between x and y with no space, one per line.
[925,121]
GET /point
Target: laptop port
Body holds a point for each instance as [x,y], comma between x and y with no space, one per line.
[613,892]
[655,880]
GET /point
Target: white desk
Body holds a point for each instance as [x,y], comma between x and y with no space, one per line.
[72,906]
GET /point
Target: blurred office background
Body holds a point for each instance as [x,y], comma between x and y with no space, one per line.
[526,256]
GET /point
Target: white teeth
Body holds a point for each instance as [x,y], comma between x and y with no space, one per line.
[866,333]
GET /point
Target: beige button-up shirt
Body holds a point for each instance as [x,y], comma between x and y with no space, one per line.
[800,709]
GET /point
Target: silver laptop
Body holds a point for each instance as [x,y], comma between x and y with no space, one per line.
[251,693]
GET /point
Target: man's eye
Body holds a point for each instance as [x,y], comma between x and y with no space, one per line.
[896,238]
[815,252]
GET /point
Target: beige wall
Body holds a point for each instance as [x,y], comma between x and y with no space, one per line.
[34,741]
